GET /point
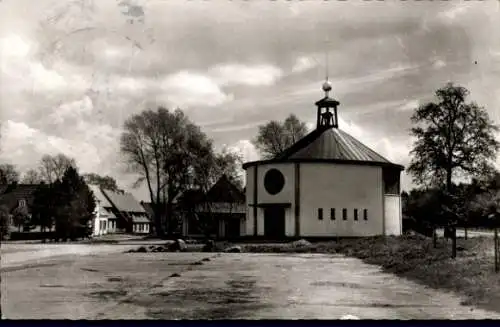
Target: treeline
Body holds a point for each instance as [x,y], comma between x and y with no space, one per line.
[64,209]
[63,205]
[473,206]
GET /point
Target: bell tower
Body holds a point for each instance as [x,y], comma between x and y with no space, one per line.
[327,109]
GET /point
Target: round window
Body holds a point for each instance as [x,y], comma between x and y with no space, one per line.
[274,181]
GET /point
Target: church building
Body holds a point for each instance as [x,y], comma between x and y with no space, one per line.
[328,184]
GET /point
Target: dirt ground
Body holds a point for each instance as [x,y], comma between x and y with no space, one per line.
[218,286]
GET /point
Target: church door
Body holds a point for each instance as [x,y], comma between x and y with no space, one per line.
[274,222]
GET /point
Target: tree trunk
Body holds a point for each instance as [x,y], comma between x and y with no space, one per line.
[434,237]
[454,243]
[496,250]
[169,216]
[157,219]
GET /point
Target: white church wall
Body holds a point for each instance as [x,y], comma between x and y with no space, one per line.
[287,193]
[290,222]
[326,186]
[393,215]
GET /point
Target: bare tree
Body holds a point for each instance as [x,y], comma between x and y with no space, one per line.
[158,146]
[275,137]
[32,176]
[52,168]
[8,174]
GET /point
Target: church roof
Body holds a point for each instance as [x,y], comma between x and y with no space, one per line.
[329,145]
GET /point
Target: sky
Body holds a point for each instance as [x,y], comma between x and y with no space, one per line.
[72,71]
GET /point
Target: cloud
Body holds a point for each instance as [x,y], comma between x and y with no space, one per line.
[72,112]
[90,145]
[238,74]
[14,46]
[455,12]
[303,64]
[246,149]
[410,105]
[191,89]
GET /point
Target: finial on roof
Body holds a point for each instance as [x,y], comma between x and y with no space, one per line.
[327,87]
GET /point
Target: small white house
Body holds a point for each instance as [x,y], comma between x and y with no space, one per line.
[328,184]
[104,219]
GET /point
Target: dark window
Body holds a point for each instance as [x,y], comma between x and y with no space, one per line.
[365,214]
[274,181]
[344,214]
[355,214]
[332,213]
[391,181]
[320,214]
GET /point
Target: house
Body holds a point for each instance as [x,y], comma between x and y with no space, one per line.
[223,205]
[17,197]
[131,215]
[104,218]
[327,184]
[148,206]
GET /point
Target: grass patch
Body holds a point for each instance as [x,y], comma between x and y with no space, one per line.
[471,274]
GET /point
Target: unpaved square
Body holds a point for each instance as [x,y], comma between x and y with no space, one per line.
[220,286]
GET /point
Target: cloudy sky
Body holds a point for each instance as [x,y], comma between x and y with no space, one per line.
[73,70]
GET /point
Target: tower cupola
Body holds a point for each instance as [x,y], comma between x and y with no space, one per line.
[327,109]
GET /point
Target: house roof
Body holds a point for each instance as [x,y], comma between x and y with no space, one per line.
[99,196]
[329,145]
[13,193]
[124,201]
[149,208]
[225,191]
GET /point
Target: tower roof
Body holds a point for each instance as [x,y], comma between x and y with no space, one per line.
[329,145]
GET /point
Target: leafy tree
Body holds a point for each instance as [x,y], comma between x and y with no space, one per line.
[8,174]
[105,182]
[52,168]
[32,176]
[20,217]
[160,147]
[274,137]
[4,222]
[75,207]
[45,202]
[453,138]
[208,168]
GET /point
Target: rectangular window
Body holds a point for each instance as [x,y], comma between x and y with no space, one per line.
[355,214]
[320,213]
[365,214]
[332,213]
[344,214]
[104,223]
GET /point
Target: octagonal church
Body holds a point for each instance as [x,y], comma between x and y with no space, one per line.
[328,184]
